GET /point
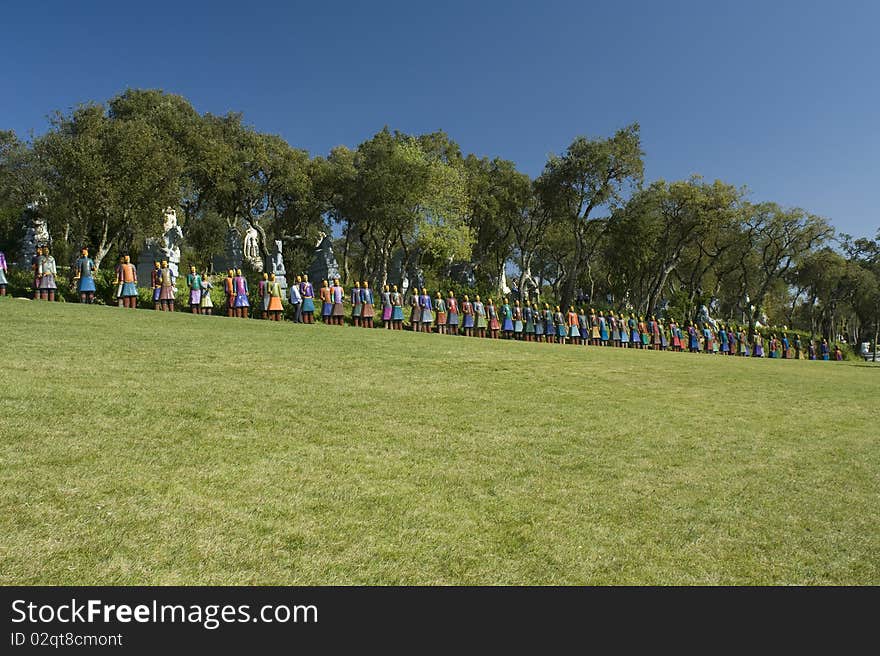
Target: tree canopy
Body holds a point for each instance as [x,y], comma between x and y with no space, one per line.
[588,229]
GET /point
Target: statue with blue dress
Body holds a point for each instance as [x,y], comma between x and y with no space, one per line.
[84,275]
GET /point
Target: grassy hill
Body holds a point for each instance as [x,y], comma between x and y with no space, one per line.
[149,448]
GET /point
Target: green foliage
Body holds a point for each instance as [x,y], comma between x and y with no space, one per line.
[653,232]
[498,200]
[20,282]
[444,240]
[590,175]
[21,182]
[103,174]
[205,238]
[399,191]
[107,181]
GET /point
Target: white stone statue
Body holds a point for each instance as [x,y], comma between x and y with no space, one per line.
[502,282]
[277,265]
[251,249]
[704,317]
[41,231]
[172,236]
[278,260]
[763,320]
[36,235]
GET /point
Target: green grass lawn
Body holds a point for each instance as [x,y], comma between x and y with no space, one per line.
[139,447]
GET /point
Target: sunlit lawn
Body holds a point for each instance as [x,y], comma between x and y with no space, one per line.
[149,448]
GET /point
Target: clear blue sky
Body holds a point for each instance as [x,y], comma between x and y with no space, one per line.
[783,97]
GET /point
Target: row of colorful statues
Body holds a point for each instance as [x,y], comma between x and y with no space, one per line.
[445,315]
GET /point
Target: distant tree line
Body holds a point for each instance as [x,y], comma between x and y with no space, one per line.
[587,230]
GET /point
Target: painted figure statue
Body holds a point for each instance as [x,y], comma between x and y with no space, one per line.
[156,284]
[356,304]
[206,304]
[275,306]
[452,318]
[242,305]
[296,299]
[263,295]
[3,271]
[396,309]
[229,292]
[338,297]
[415,313]
[84,275]
[467,314]
[47,272]
[307,291]
[367,303]
[194,282]
[326,302]
[128,279]
[166,287]
[387,308]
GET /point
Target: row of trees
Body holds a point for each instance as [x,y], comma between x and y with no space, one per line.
[588,227]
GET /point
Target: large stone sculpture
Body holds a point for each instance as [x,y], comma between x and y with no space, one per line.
[233,255]
[276,266]
[36,234]
[324,265]
[703,317]
[166,247]
[412,276]
[463,274]
[151,252]
[251,249]
[171,240]
[502,283]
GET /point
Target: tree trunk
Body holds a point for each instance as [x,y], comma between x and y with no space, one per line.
[525,277]
[657,288]
[386,248]
[406,264]
[103,246]
[264,243]
[792,309]
[571,277]
[753,319]
[876,335]
[345,273]
[592,282]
